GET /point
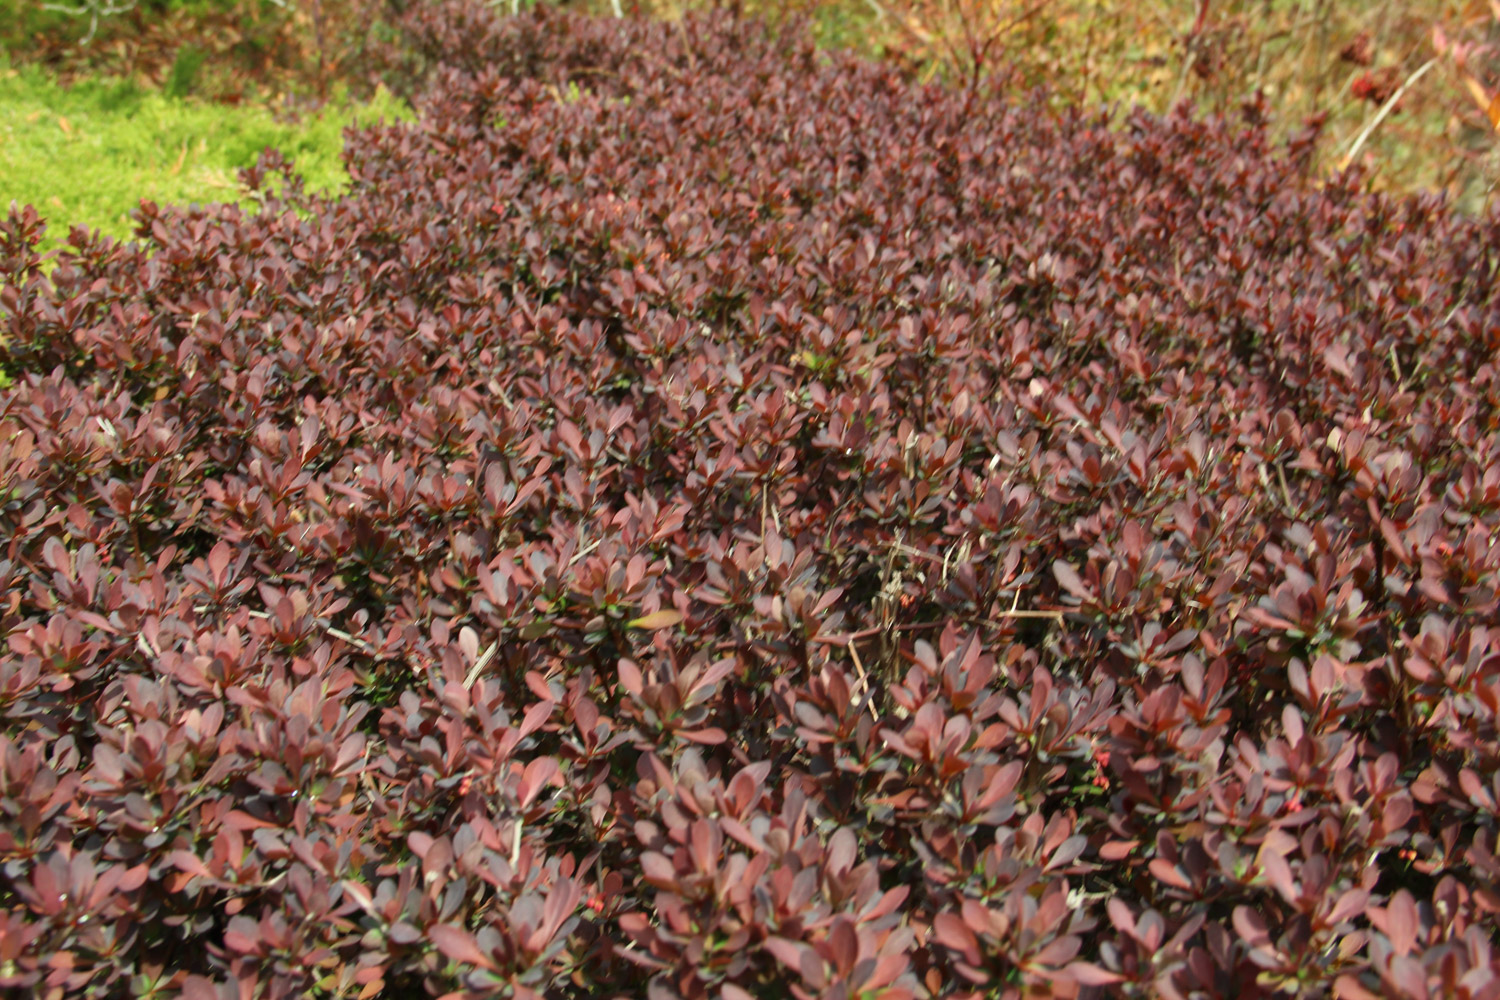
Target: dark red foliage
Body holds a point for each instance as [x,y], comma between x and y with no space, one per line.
[706,518]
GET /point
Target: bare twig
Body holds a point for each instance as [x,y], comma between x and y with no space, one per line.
[905,549]
[93,10]
[1056,616]
[1286,492]
[865,633]
[1015,611]
[1187,67]
[864,680]
[1385,110]
[479,664]
[336,633]
[584,550]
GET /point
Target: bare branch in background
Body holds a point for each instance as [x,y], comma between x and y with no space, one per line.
[1385,110]
[93,10]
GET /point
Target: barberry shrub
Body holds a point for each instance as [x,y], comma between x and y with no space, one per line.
[703,518]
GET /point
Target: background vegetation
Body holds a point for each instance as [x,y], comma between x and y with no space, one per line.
[1409,88]
[90,152]
[168,101]
[1329,63]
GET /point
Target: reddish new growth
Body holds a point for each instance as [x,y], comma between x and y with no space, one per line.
[1101,762]
[1376,87]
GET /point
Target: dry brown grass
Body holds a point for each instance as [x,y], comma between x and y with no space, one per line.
[1337,62]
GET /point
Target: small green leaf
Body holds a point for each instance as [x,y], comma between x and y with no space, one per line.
[656,620]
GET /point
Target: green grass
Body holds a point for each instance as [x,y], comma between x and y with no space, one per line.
[88,154]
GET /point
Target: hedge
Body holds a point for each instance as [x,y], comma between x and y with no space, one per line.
[699,517]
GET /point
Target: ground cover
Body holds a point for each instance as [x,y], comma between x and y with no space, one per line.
[700,516]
